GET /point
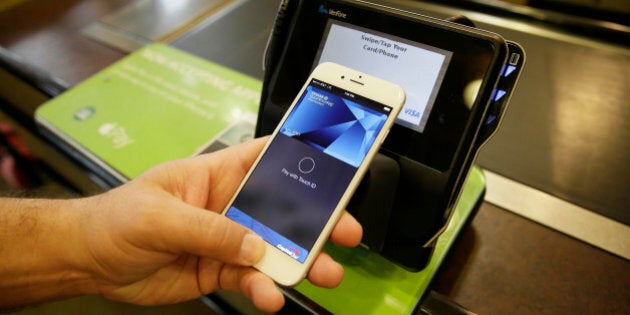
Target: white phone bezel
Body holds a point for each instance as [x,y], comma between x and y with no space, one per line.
[282,268]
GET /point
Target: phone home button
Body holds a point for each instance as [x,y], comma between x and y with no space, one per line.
[306,165]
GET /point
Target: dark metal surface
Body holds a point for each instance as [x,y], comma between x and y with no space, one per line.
[601,24]
[492,271]
[226,39]
[567,127]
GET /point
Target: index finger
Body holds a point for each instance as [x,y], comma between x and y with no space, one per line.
[347,232]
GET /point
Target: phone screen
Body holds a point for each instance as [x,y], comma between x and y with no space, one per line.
[298,182]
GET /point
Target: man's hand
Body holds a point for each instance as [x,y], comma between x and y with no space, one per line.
[160,238]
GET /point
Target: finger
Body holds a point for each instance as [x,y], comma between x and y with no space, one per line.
[257,287]
[325,272]
[208,180]
[263,292]
[235,158]
[185,229]
[347,232]
[227,168]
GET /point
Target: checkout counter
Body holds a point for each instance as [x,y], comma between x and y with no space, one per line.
[500,262]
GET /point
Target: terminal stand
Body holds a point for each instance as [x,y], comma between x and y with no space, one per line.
[375,285]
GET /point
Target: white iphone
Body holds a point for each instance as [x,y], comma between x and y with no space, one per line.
[303,179]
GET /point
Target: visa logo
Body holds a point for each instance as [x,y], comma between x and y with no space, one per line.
[412,112]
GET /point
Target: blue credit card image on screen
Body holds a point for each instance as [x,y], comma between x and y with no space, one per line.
[335,125]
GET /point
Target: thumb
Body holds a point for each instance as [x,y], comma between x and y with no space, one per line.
[187,229]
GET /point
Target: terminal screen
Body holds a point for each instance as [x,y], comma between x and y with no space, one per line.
[417,67]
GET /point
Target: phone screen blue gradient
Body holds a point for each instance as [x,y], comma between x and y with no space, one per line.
[339,127]
[307,167]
